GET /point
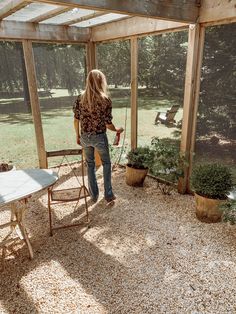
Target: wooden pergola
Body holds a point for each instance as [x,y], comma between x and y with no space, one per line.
[96,21]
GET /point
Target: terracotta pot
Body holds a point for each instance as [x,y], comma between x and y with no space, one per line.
[207,209]
[135,177]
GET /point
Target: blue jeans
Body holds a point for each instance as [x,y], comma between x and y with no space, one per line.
[100,142]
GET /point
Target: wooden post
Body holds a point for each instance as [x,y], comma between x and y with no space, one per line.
[134,91]
[196,100]
[191,97]
[34,101]
[25,83]
[91,56]
[90,65]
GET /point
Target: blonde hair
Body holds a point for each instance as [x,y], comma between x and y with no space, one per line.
[95,90]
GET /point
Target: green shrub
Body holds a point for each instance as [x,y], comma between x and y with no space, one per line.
[140,157]
[229,211]
[167,162]
[212,180]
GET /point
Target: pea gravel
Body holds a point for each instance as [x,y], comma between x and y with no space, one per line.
[145,254]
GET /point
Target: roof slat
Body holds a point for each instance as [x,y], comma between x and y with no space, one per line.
[66,17]
[49,14]
[103,19]
[12,7]
[83,18]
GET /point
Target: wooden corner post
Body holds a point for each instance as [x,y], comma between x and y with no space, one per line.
[91,61]
[134,91]
[191,98]
[34,101]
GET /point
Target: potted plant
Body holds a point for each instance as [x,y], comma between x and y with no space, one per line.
[139,160]
[211,184]
[167,163]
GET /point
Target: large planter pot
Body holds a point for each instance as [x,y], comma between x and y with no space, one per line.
[135,177]
[207,209]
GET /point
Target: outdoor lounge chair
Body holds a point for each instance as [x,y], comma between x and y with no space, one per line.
[168,116]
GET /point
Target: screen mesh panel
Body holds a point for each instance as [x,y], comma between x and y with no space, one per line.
[161,66]
[16,126]
[60,73]
[216,122]
[114,61]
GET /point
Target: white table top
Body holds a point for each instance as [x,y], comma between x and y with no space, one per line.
[18,184]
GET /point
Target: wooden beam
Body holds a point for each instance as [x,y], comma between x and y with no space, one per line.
[192,81]
[49,14]
[220,22]
[217,10]
[134,91]
[134,26]
[68,152]
[83,18]
[11,30]
[176,10]
[12,7]
[34,101]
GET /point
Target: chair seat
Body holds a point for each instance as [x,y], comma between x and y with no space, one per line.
[168,116]
[162,116]
[69,195]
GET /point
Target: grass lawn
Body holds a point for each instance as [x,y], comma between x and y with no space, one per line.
[17,130]
[18,143]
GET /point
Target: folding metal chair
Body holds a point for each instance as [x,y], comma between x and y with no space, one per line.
[74,194]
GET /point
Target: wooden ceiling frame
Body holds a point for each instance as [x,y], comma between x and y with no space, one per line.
[212,12]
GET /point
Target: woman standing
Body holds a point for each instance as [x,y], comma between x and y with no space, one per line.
[92,116]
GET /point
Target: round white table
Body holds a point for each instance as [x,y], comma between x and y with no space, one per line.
[19,185]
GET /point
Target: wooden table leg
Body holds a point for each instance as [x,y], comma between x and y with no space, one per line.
[17,214]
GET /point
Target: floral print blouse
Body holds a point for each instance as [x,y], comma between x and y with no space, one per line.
[93,122]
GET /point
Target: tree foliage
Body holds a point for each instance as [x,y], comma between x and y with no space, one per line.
[114,60]
[60,66]
[57,66]
[217,107]
[10,67]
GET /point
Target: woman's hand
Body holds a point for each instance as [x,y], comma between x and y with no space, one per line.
[119,130]
[78,140]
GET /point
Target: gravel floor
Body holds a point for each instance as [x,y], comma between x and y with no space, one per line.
[146,254]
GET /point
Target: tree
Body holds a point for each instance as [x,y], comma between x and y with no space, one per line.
[114,60]
[217,107]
